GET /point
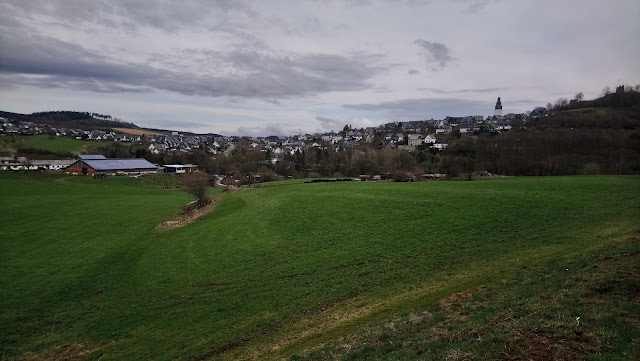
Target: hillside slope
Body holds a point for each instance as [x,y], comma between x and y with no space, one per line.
[305,270]
[70,119]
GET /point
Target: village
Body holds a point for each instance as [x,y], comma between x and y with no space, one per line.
[407,136]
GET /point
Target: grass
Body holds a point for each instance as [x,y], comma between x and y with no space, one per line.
[353,270]
[586,110]
[140,131]
[41,141]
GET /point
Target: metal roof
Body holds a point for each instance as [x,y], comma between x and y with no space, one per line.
[90,156]
[119,164]
[179,165]
[60,162]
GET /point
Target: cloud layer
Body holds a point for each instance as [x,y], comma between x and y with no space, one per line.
[270,75]
[244,66]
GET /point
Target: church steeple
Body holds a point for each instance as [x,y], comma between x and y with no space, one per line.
[498,104]
[497,113]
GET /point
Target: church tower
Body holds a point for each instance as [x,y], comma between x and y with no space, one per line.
[498,112]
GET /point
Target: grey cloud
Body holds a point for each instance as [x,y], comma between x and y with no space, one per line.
[365,3]
[273,101]
[92,85]
[311,25]
[413,72]
[271,129]
[437,55]
[416,109]
[170,124]
[475,6]
[480,90]
[524,103]
[330,123]
[264,75]
[167,15]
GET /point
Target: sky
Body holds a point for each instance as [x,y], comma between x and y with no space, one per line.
[283,67]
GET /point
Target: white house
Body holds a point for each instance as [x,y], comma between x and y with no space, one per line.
[430,139]
[440,144]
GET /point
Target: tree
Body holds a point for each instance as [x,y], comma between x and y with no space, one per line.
[561,102]
[606,90]
[404,161]
[197,184]
[469,164]
[579,97]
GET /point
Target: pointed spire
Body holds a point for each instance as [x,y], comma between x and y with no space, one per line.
[498,104]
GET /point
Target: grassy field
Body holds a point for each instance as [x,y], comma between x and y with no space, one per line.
[138,131]
[494,269]
[41,141]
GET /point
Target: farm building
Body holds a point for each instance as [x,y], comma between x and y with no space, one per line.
[180,168]
[51,164]
[90,156]
[13,163]
[98,164]
[22,163]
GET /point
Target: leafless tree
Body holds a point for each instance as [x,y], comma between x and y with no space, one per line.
[561,102]
[198,185]
[579,97]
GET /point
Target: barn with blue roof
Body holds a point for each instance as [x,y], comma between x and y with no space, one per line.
[91,164]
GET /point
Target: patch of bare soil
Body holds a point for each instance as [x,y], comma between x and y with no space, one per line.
[457,299]
[547,344]
[68,352]
[190,213]
[420,318]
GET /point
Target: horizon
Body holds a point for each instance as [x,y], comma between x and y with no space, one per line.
[284,68]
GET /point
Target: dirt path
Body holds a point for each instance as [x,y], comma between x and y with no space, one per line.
[219,184]
[189,216]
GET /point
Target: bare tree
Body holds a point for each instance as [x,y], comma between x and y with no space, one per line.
[561,102]
[579,97]
[198,185]
[606,90]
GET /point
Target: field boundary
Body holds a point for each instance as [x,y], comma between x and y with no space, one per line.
[189,216]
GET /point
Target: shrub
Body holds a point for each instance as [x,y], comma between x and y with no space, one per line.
[591,168]
[198,185]
[400,176]
[268,176]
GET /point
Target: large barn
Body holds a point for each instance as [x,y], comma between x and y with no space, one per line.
[99,164]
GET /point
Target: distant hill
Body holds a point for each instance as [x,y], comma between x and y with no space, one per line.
[624,99]
[617,111]
[71,119]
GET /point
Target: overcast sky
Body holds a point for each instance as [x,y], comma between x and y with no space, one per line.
[285,67]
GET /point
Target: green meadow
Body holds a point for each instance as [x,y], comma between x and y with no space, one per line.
[496,269]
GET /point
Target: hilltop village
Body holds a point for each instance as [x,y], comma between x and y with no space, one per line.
[571,137]
[434,134]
